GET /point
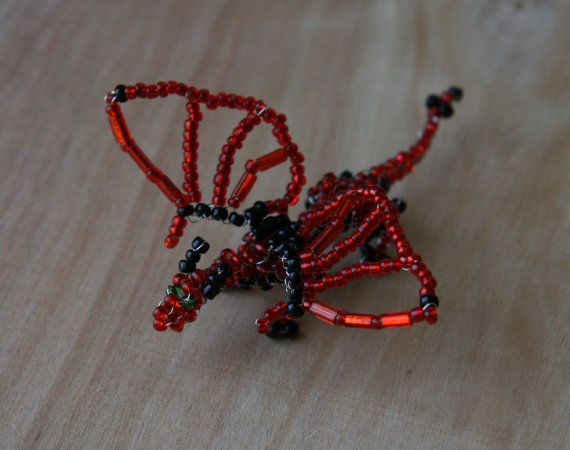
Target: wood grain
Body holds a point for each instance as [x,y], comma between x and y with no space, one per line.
[82,263]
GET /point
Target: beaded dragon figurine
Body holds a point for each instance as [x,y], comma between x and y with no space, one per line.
[343,214]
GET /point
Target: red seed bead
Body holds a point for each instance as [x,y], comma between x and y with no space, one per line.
[417,314]
[131,92]
[431,314]
[179,279]
[159,325]
[171,241]
[426,291]
[178,325]
[190,316]
[159,315]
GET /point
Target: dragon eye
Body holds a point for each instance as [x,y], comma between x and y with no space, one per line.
[175,290]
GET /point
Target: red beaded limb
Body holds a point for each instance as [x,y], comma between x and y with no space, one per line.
[176,231]
[384,212]
[271,316]
[128,145]
[350,273]
[190,146]
[323,240]
[404,163]
[153,173]
[226,158]
[334,316]
[369,196]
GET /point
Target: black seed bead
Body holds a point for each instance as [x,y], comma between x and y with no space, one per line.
[347,174]
[262,208]
[385,184]
[225,270]
[186,266]
[279,247]
[433,101]
[264,229]
[120,93]
[219,213]
[400,204]
[290,253]
[236,219]
[296,285]
[289,245]
[193,256]
[427,299]
[284,246]
[295,309]
[292,263]
[285,233]
[446,110]
[456,92]
[283,219]
[295,226]
[199,244]
[307,204]
[292,330]
[210,291]
[294,276]
[217,280]
[185,211]
[296,295]
[275,330]
[296,242]
[203,210]
[252,215]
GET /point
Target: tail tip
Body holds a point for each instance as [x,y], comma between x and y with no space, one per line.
[456,93]
[441,104]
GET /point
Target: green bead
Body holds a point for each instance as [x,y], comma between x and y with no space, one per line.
[170,290]
[188,303]
[174,290]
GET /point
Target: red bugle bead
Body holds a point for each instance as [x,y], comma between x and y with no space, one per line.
[272,159]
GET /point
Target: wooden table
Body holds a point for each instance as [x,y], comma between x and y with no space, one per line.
[82,263]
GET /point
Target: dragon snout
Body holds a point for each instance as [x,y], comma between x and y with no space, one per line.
[191,288]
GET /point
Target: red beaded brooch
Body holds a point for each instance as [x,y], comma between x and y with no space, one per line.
[343,214]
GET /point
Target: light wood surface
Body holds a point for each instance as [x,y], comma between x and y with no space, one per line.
[82,264]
